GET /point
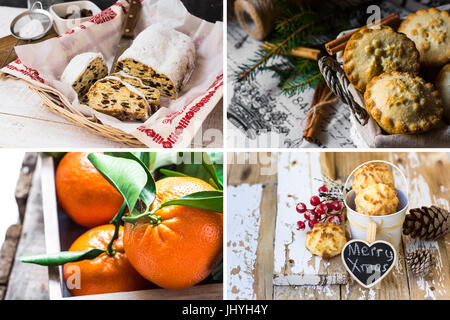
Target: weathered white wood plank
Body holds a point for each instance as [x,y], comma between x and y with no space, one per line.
[243,222]
[428,175]
[29,281]
[294,264]
[319,292]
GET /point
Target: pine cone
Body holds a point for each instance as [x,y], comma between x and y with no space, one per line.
[427,223]
[420,262]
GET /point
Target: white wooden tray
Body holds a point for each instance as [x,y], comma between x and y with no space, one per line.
[56,220]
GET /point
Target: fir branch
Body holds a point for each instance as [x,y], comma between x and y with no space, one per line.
[281,25]
[311,82]
[274,50]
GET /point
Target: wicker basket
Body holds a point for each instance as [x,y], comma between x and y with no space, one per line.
[61,106]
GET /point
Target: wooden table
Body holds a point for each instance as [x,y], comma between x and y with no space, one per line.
[251,255]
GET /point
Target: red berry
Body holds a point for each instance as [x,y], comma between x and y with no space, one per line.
[309,215]
[315,200]
[321,209]
[337,205]
[323,189]
[337,219]
[329,206]
[311,223]
[300,225]
[301,207]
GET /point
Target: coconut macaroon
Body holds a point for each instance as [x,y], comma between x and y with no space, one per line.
[370,173]
[325,240]
[377,199]
[83,71]
[403,103]
[371,52]
[115,97]
[161,57]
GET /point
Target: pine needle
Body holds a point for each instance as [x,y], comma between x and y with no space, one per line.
[274,50]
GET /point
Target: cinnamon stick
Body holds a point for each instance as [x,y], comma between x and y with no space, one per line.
[299,52]
[339,44]
[321,99]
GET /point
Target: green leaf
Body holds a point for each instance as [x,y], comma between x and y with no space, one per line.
[144,157]
[126,175]
[148,193]
[217,273]
[208,165]
[171,173]
[162,159]
[208,200]
[60,258]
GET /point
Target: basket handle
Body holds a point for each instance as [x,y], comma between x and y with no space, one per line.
[337,81]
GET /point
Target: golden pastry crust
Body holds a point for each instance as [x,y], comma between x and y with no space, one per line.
[443,86]
[402,103]
[377,199]
[371,52]
[325,240]
[370,173]
[430,31]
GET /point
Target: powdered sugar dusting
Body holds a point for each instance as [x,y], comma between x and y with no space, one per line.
[78,65]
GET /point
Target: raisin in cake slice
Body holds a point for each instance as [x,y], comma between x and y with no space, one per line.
[83,70]
[161,57]
[115,97]
[151,94]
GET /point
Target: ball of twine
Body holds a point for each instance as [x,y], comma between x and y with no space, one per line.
[257,17]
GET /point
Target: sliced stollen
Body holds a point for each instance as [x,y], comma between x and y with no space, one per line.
[161,57]
[377,199]
[443,86]
[430,31]
[83,70]
[371,52]
[403,103]
[371,173]
[113,96]
[151,94]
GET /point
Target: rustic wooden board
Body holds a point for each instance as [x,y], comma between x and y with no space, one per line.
[29,281]
[251,213]
[319,292]
[429,176]
[251,168]
[243,223]
[294,264]
[7,44]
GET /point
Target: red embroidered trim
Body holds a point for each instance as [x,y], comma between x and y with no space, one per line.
[31,73]
[118,4]
[184,121]
[104,16]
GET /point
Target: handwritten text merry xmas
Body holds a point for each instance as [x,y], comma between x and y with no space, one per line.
[375,258]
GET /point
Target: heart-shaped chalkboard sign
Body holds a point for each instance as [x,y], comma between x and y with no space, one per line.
[368,263]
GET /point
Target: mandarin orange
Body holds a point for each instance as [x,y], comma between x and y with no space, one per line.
[104,274]
[185,247]
[84,194]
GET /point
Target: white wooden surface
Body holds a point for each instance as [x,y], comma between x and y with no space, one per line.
[294,264]
[243,221]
